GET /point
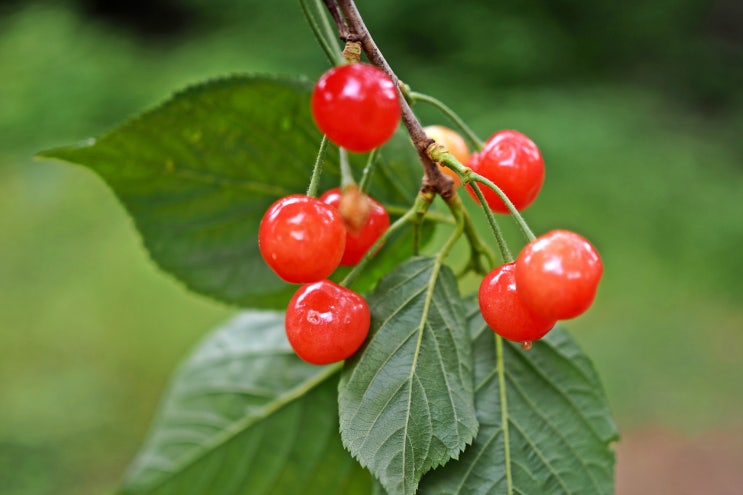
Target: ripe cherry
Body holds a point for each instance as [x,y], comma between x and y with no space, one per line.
[357,106]
[557,274]
[505,312]
[326,323]
[302,239]
[366,220]
[513,162]
[454,143]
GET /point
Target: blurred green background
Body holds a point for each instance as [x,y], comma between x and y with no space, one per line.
[637,107]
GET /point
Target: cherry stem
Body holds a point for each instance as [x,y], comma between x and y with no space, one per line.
[317,169]
[430,216]
[446,110]
[511,208]
[501,369]
[439,154]
[422,202]
[459,214]
[324,34]
[494,227]
[433,180]
[450,161]
[477,247]
[371,161]
[420,215]
[346,173]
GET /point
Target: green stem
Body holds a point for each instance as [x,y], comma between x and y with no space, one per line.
[366,174]
[473,177]
[330,34]
[469,133]
[457,209]
[397,225]
[346,172]
[441,155]
[477,247]
[426,198]
[430,216]
[323,34]
[504,411]
[494,227]
[317,169]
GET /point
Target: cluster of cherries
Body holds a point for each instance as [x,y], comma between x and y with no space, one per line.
[555,276]
[304,239]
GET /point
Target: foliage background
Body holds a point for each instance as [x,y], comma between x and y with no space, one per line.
[637,106]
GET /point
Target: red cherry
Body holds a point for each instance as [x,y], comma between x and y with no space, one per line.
[356,106]
[358,242]
[558,273]
[326,323]
[513,162]
[302,239]
[505,312]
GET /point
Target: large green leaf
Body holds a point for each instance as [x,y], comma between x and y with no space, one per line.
[197,173]
[406,401]
[558,422]
[244,415]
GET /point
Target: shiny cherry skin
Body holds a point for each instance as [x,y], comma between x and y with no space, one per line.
[513,162]
[357,106]
[302,239]
[505,312]
[558,273]
[454,143]
[359,241]
[326,323]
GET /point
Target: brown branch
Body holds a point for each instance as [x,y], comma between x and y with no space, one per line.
[433,179]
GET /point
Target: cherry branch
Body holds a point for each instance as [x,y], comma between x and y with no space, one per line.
[353,28]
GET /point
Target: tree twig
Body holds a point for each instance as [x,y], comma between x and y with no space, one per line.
[433,180]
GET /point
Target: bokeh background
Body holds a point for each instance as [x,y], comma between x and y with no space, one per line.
[637,107]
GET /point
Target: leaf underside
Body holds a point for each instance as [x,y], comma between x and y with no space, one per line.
[559,424]
[406,400]
[244,415]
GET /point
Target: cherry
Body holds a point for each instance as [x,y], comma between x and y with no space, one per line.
[557,274]
[366,220]
[356,106]
[513,162]
[504,311]
[326,323]
[454,143]
[302,239]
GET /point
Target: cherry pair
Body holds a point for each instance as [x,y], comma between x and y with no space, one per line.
[555,277]
[304,239]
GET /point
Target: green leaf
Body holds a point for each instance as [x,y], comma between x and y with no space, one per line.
[559,426]
[245,415]
[197,173]
[406,400]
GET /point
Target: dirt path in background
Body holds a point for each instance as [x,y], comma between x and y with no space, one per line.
[656,461]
